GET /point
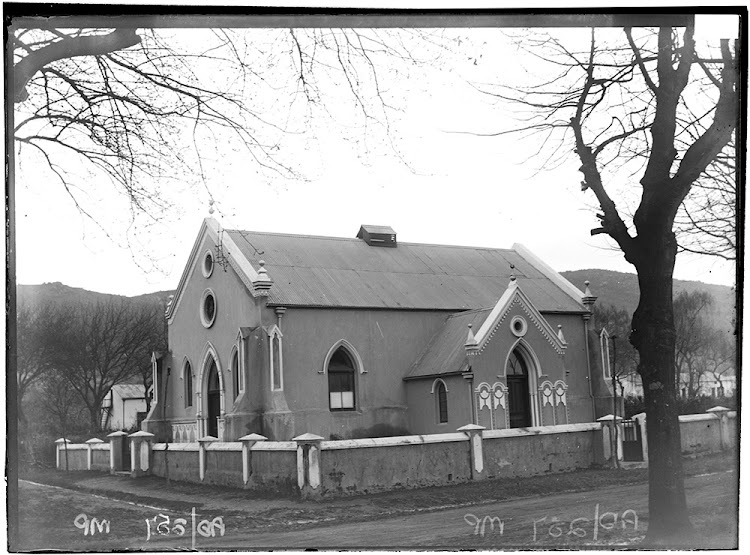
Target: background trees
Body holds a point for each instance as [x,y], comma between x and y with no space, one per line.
[70,356]
[647,103]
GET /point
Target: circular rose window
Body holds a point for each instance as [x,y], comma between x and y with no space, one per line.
[518,326]
[208,308]
[208,264]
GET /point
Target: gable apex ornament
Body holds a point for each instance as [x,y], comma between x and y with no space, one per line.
[588,299]
[471,341]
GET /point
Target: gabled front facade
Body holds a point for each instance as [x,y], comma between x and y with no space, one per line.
[282,335]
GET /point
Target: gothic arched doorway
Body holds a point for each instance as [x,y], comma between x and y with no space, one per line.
[213,400]
[517,379]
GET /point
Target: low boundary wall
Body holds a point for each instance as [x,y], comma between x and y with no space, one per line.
[314,467]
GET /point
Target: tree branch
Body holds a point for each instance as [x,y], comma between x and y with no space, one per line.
[92,45]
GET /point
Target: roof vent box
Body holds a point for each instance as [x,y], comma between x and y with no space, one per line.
[377,235]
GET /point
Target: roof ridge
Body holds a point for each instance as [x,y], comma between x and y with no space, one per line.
[401,243]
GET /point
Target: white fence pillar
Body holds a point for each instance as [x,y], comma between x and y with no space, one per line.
[722,413]
[474,431]
[308,464]
[247,443]
[89,451]
[202,443]
[116,441]
[140,453]
[641,419]
[60,448]
[610,421]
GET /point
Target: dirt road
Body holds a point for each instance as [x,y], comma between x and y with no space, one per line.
[55,518]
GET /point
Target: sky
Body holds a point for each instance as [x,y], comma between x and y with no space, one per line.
[450,187]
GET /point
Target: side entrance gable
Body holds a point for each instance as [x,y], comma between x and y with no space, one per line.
[512,297]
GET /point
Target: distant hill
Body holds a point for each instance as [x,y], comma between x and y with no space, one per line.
[620,289]
[60,293]
[613,288]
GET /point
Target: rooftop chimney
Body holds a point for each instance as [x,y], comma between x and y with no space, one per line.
[377,235]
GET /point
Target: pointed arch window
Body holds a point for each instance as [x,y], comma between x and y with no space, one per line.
[341,378]
[277,359]
[235,368]
[187,376]
[604,344]
[441,398]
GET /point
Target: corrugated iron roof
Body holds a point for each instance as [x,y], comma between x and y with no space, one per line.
[129,390]
[445,353]
[338,272]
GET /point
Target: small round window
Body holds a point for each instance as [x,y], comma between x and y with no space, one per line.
[208,264]
[208,308]
[518,326]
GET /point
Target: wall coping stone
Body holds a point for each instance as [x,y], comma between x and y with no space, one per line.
[308,438]
[63,440]
[176,446]
[253,437]
[718,409]
[274,446]
[117,434]
[608,418]
[94,440]
[471,428]
[393,441]
[224,446]
[207,439]
[698,417]
[542,430]
[77,447]
[144,435]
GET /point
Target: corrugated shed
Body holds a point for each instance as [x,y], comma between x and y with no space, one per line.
[446,352]
[129,391]
[337,272]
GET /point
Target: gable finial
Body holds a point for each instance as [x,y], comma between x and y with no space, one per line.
[588,298]
[211,207]
[471,341]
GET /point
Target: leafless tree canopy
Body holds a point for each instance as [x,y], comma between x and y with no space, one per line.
[598,102]
[148,108]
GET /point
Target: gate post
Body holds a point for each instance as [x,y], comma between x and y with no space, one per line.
[60,444]
[140,453]
[116,441]
[89,451]
[202,443]
[247,443]
[722,413]
[474,431]
[610,421]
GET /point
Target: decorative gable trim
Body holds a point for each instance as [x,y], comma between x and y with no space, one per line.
[257,283]
[572,291]
[513,297]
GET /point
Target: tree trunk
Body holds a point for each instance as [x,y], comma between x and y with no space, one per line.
[654,337]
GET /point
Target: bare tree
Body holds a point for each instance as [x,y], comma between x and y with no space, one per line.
[644,102]
[692,337]
[707,220]
[106,344]
[152,109]
[35,324]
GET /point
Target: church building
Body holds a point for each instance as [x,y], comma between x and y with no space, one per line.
[282,334]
